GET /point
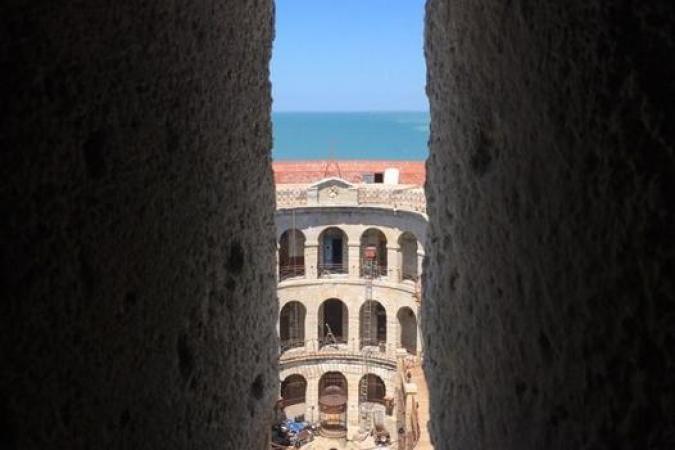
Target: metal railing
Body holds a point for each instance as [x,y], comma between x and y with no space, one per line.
[291,344]
[333,426]
[285,402]
[291,271]
[374,271]
[374,344]
[312,349]
[332,269]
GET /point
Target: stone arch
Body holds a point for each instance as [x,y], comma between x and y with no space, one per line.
[292,325]
[333,252]
[334,314]
[333,395]
[375,388]
[294,396]
[408,245]
[372,324]
[293,390]
[373,252]
[407,322]
[291,254]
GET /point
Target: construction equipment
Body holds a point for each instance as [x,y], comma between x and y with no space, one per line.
[369,265]
[330,337]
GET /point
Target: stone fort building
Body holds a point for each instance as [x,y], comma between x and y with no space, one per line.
[138,251]
[350,248]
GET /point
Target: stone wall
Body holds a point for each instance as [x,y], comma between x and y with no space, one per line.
[138,304]
[311,294]
[549,301]
[353,374]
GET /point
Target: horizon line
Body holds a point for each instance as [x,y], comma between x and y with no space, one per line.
[346,111]
[347,159]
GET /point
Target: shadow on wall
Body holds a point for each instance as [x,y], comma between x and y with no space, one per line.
[549,305]
[131,240]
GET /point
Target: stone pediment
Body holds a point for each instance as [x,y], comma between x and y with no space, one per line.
[332,181]
[332,191]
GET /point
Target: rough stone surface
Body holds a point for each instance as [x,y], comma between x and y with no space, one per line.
[138,304]
[549,302]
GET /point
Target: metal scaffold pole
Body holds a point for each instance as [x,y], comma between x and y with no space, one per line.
[294,325]
[369,264]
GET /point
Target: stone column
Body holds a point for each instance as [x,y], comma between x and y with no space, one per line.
[420,262]
[311,259]
[311,329]
[418,311]
[312,398]
[353,404]
[278,328]
[354,326]
[393,263]
[354,259]
[392,331]
[276,274]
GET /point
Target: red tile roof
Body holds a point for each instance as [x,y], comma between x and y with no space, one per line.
[305,172]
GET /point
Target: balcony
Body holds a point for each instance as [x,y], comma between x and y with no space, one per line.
[291,271]
[326,270]
[406,198]
[315,350]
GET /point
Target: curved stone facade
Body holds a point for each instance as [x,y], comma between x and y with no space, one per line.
[312,293]
[348,290]
[312,373]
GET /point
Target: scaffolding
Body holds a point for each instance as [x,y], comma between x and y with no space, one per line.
[369,265]
[294,325]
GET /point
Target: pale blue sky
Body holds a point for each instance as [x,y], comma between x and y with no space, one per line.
[349,55]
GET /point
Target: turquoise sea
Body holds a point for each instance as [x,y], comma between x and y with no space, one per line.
[350,135]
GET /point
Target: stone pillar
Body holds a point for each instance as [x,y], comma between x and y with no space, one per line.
[418,314]
[393,263]
[311,260]
[393,331]
[276,273]
[354,325]
[311,329]
[420,262]
[312,397]
[278,328]
[353,404]
[354,260]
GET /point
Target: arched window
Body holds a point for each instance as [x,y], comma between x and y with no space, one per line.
[408,245]
[292,325]
[373,253]
[333,322]
[408,325]
[291,254]
[333,252]
[333,404]
[373,324]
[293,390]
[293,396]
[375,388]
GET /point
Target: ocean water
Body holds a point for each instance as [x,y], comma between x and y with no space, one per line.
[350,135]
